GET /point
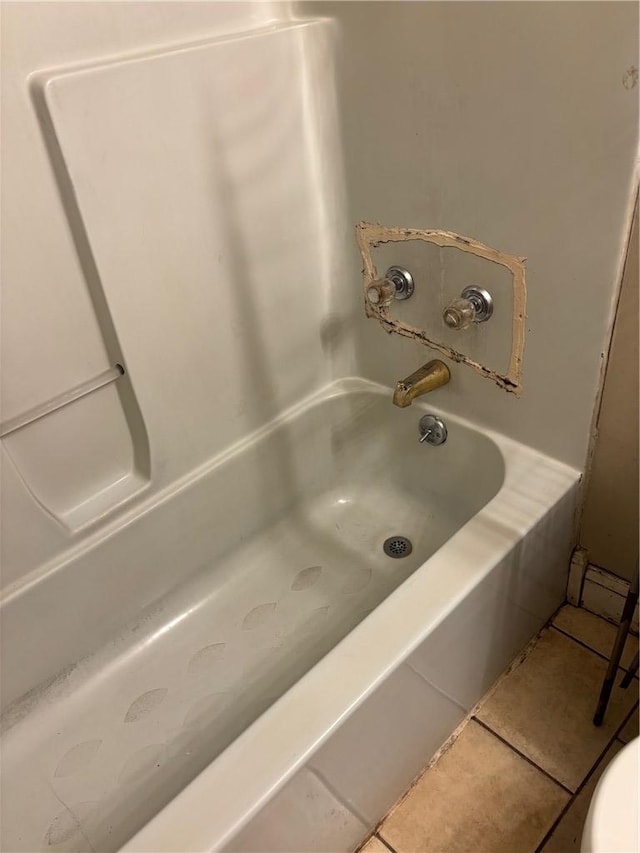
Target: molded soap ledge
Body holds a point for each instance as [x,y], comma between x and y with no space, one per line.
[106,500]
[79,463]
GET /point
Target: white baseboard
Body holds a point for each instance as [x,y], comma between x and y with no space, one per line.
[597,590]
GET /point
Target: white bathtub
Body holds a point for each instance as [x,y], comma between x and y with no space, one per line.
[240,666]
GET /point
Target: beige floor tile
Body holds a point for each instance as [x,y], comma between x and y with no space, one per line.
[594,632]
[632,726]
[481,796]
[567,835]
[374,845]
[545,707]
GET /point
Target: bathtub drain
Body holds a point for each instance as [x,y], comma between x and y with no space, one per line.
[397,546]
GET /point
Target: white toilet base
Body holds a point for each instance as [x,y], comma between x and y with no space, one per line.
[612,820]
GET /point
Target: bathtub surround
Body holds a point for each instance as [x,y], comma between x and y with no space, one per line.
[196,235]
[511,168]
[177,203]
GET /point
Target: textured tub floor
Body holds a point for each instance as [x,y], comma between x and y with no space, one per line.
[520,774]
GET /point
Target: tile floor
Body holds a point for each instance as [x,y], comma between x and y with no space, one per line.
[519,776]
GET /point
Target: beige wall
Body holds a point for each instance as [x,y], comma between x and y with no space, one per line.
[609,529]
[494,120]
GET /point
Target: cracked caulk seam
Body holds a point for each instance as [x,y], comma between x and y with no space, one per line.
[369,235]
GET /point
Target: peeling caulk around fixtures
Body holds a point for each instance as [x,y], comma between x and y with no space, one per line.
[369,235]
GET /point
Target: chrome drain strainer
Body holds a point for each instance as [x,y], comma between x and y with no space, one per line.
[397,546]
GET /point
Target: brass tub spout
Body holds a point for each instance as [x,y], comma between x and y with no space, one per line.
[427,378]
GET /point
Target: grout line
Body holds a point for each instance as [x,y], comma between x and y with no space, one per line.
[514,664]
[522,755]
[386,844]
[556,823]
[364,843]
[585,646]
[610,620]
[449,742]
[445,747]
[587,778]
[579,642]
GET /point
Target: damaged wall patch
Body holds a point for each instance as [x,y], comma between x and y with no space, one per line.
[369,235]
